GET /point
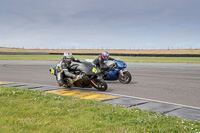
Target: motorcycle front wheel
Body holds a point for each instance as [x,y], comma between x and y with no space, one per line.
[125,78]
[99,84]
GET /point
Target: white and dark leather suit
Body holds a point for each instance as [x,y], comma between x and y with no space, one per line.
[63,68]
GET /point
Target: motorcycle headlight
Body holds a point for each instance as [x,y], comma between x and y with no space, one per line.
[125,65]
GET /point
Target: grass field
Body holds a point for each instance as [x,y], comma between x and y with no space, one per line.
[23,110]
[124,58]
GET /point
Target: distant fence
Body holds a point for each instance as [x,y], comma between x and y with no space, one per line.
[112,54]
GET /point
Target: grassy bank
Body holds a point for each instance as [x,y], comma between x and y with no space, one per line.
[24,110]
[124,58]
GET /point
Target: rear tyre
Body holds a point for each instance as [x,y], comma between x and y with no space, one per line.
[126,78]
[99,84]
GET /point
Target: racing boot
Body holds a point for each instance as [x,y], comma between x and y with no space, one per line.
[59,78]
[60,82]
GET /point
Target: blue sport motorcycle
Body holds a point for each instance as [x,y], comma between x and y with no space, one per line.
[116,71]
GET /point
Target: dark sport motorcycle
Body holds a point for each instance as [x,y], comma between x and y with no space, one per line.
[90,76]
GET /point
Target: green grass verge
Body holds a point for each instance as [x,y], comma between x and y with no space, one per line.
[124,58]
[23,110]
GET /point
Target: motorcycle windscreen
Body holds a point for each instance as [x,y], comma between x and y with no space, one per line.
[110,63]
[120,64]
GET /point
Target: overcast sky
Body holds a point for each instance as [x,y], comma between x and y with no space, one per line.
[135,24]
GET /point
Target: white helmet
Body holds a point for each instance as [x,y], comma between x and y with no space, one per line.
[67,54]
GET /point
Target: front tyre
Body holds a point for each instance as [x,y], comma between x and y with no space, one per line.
[99,84]
[125,77]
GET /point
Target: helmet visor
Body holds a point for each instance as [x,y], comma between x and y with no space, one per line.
[105,57]
[68,59]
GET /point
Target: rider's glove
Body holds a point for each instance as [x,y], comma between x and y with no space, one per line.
[79,76]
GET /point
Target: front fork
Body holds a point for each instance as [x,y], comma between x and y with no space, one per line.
[121,73]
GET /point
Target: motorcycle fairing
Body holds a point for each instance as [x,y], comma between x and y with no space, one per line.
[53,70]
[84,67]
[112,74]
[120,64]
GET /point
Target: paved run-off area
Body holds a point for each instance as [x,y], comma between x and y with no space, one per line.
[170,109]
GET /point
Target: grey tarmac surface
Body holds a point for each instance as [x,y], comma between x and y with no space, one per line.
[176,83]
[170,82]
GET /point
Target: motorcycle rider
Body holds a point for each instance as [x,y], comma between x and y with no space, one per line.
[99,61]
[63,66]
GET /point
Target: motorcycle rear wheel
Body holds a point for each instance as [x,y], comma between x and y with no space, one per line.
[126,78]
[99,84]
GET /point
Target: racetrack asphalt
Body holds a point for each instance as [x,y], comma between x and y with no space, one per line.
[177,83]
